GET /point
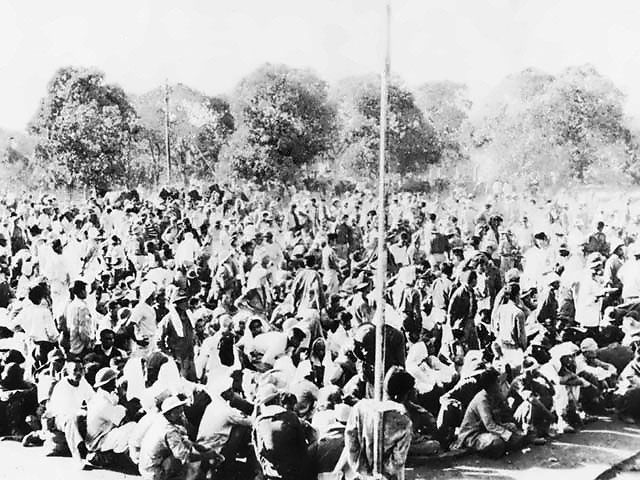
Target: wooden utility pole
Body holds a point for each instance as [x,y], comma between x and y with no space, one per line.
[167,146]
[382,250]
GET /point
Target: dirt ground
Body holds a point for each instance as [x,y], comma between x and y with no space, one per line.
[584,456]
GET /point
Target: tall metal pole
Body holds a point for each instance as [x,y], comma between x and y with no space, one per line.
[167,146]
[382,250]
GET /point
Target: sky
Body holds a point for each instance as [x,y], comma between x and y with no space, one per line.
[211,44]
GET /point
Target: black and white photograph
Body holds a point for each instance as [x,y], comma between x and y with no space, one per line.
[320,240]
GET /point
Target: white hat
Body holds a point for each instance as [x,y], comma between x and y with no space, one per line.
[563,350]
[171,403]
[342,412]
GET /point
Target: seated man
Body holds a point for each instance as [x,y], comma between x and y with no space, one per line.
[68,398]
[601,376]
[482,429]
[224,429]
[561,373]
[268,347]
[166,453]
[105,351]
[108,428]
[18,401]
[531,399]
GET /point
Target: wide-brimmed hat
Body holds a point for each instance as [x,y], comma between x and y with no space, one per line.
[171,403]
[564,349]
[104,376]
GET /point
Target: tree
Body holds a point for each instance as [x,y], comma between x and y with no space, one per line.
[85,129]
[556,128]
[412,142]
[198,128]
[445,106]
[284,122]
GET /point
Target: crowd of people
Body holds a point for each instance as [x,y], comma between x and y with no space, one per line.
[218,333]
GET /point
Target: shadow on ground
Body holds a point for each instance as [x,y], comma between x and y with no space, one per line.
[584,455]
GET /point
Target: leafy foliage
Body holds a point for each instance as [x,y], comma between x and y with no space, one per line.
[198,127]
[411,141]
[284,122]
[85,130]
[445,106]
[550,129]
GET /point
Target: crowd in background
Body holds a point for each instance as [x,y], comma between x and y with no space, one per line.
[221,333]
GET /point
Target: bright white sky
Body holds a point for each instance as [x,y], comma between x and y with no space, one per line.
[211,44]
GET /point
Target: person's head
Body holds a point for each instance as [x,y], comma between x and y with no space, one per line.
[173,409]
[56,246]
[296,336]
[79,289]
[469,278]
[318,349]
[37,294]
[600,226]
[255,327]
[73,371]
[489,381]
[589,348]
[398,384]
[107,338]
[512,292]
[106,379]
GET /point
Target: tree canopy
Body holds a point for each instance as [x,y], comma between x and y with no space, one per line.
[85,130]
[284,121]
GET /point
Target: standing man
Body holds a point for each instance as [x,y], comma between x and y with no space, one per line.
[79,324]
[177,335]
[462,311]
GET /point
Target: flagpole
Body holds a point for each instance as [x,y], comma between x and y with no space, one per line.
[382,250]
[167,147]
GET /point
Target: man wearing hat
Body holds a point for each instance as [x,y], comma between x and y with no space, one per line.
[560,371]
[546,313]
[462,310]
[279,439]
[166,453]
[108,425]
[176,336]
